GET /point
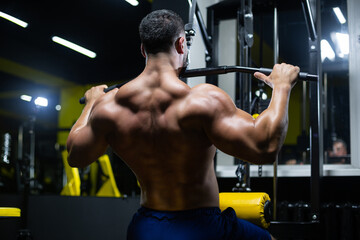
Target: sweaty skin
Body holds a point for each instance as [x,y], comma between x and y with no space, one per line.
[167,132]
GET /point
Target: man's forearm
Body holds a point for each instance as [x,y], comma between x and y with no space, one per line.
[273,122]
[80,123]
[84,117]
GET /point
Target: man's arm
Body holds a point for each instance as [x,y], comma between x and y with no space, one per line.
[86,142]
[259,140]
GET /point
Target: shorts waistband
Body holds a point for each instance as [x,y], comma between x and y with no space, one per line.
[176,214]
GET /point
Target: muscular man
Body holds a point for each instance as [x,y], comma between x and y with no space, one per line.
[167,133]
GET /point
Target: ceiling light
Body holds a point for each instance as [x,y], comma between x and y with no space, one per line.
[74,47]
[339,15]
[58,107]
[26,98]
[326,51]
[41,101]
[133,2]
[13,19]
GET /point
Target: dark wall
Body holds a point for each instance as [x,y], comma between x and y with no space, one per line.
[181,7]
[72,218]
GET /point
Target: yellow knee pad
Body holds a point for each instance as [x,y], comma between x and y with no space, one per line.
[254,207]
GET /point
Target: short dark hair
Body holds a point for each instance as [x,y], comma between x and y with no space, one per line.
[159,29]
[338,140]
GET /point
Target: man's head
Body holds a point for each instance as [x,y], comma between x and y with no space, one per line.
[159,30]
[162,31]
[339,148]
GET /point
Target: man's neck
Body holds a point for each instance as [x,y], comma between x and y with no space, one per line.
[161,63]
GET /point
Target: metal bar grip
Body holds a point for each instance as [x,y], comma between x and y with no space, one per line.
[82,100]
[227,69]
[302,75]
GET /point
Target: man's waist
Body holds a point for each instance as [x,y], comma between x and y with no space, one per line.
[161,214]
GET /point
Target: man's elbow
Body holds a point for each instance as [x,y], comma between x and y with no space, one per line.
[268,155]
[75,162]
[75,156]
[71,162]
[273,152]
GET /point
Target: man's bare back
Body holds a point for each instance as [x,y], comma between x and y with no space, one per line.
[158,131]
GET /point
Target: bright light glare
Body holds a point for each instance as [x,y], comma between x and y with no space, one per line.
[133,2]
[326,51]
[343,43]
[58,107]
[190,3]
[40,101]
[339,15]
[74,47]
[26,98]
[264,96]
[13,19]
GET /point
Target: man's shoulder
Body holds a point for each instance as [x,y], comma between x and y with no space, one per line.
[209,89]
[215,95]
[204,87]
[104,106]
[204,99]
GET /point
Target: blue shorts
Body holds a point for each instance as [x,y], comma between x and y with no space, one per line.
[197,224]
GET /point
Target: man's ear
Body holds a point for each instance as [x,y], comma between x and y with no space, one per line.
[143,50]
[179,45]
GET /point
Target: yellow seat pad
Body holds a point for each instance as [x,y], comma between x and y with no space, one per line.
[10,212]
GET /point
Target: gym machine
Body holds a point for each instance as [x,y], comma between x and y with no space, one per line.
[242,11]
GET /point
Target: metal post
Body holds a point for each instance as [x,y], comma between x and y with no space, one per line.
[19,158]
[243,82]
[325,87]
[304,106]
[211,56]
[275,183]
[276,35]
[205,36]
[32,152]
[316,120]
[276,57]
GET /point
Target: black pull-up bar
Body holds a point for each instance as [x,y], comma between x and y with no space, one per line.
[228,69]
[220,70]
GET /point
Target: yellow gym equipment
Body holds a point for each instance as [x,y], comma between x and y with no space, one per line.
[108,188]
[6,212]
[254,207]
[255,115]
[72,187]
